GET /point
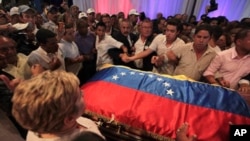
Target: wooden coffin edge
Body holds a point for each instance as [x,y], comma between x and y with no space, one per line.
[125,129]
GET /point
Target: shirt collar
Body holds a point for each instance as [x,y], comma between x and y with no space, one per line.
[235,54]
[43,52]
[209,49]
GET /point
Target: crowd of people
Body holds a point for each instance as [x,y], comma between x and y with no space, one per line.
[45,57]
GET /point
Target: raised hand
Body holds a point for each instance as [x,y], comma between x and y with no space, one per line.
[11,84]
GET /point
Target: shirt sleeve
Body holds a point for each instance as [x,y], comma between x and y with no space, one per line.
[63,49]
[178,50]
[153,46]
[214,66]
[114,42]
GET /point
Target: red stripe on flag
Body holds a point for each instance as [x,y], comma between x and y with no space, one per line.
[157,114]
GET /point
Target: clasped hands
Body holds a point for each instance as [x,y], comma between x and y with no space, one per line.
[125,58]
[156,60]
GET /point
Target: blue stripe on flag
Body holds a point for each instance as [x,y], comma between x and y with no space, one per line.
[189,92]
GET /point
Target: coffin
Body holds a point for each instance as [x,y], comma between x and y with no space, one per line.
[130,104]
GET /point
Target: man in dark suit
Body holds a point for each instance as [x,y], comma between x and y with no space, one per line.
[128,39]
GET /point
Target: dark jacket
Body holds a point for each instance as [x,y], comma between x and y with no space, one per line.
[121,38]
[114,52]
[5,94]
[24,45]
[147,65]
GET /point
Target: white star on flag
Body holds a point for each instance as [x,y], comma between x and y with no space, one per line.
[115,77]
[123,73]
[150,75]
[170,92]
[132,73]
[141,73]
[159,79]
[166,84]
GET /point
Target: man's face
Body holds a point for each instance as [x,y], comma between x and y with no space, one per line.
[159,15]
[161,25]
[83,30]
[8,48]
[74,10]
[221,42]
[244,44]
[187,30]
[69,34]
[134,18]
[91,17]
[3,61]
[146,29]
[53,16]
[3,18]
[214,23]
[125,28]
[27,17]
[100,32]
[201,39]
[171,32]
[107,22]
[51,45]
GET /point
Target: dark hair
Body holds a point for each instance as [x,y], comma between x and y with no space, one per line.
[216,32]
[241,34]
[147,20]
[142,16]
[113,16]
[228,38]
[69,25]
[205,18]
[43,34]
[175,22]
[105,16]
[88,136]
[53,9]
[158,21]
[244,23]
[204,27]
[100,24]
[213,19]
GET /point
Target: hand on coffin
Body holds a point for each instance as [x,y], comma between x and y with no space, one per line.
[181,134]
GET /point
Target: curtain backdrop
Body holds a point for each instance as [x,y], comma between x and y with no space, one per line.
[232,9]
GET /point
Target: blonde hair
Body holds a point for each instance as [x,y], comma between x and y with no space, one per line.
[42,103]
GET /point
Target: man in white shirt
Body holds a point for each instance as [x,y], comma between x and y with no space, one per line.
[52,16]
[105,42]
[161,44]
[145,39]
[47,55]
[70,50]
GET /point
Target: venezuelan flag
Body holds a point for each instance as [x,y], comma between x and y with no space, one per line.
[160,104]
